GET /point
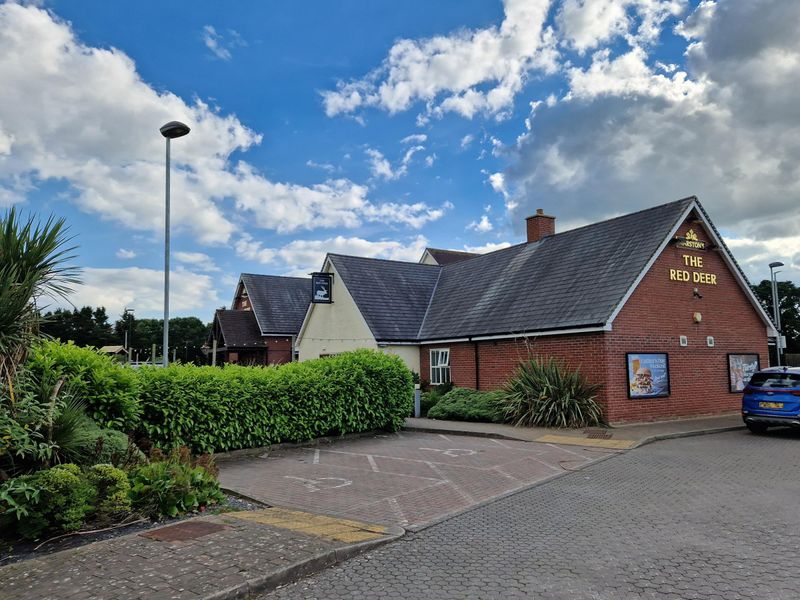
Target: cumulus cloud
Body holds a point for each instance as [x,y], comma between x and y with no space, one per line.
[143,289]
[482,226]
[82,115]
[467,72]
[196,260]
[125,254]
[486,248]
[380,166]
[303,256]
[724,127]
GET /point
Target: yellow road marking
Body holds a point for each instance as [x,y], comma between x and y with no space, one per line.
[342,530]
[581,441]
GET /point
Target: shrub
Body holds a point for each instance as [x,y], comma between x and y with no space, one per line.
[211,409]
[59,497]
[546,393]
[113,491]
[173,486]
[462,404]
[109,390]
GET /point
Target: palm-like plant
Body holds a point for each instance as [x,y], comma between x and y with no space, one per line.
[34,257]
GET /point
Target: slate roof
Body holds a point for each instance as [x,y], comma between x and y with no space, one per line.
[448,257]
[568,280]
[279,303]
[391,295]
[239,328]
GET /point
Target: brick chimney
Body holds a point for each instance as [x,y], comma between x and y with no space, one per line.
[540,225]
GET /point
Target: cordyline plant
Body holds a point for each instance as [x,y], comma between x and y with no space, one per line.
[546,393]
[33,266]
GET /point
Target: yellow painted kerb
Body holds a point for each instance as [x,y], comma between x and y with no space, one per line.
[592,443]
[340,530]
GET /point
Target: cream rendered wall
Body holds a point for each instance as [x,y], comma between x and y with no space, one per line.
[336,327]
[409,354]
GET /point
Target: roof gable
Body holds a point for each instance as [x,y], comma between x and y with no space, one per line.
[279,303]
[447,257]
[392,296]
[239,328]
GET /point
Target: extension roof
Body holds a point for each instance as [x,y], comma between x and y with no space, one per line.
[239,328]
[279,303]
[448,257]
[575,280]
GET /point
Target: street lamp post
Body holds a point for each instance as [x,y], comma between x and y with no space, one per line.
[776,307]
[127,315]
[172,130]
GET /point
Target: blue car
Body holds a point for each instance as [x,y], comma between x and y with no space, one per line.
[772,398]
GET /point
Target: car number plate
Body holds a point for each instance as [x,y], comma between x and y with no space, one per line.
[770,404]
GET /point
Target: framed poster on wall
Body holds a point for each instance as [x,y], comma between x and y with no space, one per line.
[648,375]
[740,369]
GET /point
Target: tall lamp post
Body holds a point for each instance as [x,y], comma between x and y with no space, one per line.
[172,130]
[776,313]
[127,315]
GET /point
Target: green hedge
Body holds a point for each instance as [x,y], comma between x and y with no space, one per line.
[211,409]
[463,404]
[110,392]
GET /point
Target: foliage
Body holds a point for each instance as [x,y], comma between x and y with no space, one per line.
[789,296]
[463,404]
[428,400]
[59,497]
[86,326]
[545,393]
[109,391]
[174,485]
[112,491]
[211,409]
[33,257]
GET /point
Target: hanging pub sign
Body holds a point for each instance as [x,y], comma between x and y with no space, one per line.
[321,288]
[648,375]
[741,368]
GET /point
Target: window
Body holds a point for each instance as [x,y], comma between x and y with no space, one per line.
[775,380]
[440,366]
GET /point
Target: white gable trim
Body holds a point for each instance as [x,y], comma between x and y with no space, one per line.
[723,250]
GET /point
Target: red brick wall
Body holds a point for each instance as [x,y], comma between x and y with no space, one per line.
[277,350]
[653,319]
[659,312]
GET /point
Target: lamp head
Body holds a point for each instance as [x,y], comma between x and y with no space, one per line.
[174,129]
[776,264]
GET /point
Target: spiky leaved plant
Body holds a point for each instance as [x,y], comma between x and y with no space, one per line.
[546,393]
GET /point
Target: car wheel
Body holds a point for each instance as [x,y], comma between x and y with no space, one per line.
[757,428]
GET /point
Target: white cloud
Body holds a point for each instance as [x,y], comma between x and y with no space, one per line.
[488,247]
[585,24]
[498,183]
[482,226]
[466,72]
[143,290]
[329,168]
[83,115]
[696,24]
[417,138]
[196,260]
[125,254]
[467,140]
[220,45]
[303,256]
[380,166]
[430,159]
[725,129]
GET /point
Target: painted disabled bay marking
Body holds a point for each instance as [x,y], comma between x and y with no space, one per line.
[321,483]
[453,452]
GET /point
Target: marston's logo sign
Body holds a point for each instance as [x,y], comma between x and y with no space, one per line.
[689,240]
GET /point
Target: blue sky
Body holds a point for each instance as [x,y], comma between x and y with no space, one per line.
[378,128]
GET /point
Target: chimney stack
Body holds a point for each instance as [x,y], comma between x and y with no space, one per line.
[540,225]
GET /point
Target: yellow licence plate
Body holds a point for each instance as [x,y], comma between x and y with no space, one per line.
[770,404]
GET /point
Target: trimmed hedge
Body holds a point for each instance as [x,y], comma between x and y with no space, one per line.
[110,392]
[463,404]
[210,409]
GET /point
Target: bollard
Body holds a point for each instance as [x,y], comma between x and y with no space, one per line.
[417,396]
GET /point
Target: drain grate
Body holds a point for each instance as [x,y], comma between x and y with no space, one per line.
[184,531]
[598,434]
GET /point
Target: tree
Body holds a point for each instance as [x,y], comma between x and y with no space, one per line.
[84,327]
[186,336]
[789,308]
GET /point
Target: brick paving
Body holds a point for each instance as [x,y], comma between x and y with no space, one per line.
[712,517]
[194,559]
[406,479]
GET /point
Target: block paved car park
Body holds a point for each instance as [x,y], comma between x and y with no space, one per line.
[406,479]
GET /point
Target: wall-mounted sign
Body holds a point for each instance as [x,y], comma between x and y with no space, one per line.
[648,375]
[695,262]
[740,369]
[689,240]
[321,288]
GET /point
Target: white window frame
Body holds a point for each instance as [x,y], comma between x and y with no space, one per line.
[440,365]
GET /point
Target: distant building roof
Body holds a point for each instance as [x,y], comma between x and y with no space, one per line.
[113,350]
[391,295]
[239,328]
[279,303]
[447,257]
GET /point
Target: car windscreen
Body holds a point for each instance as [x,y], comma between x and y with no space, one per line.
[775,380]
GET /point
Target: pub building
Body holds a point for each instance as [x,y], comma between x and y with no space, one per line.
[651,305]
